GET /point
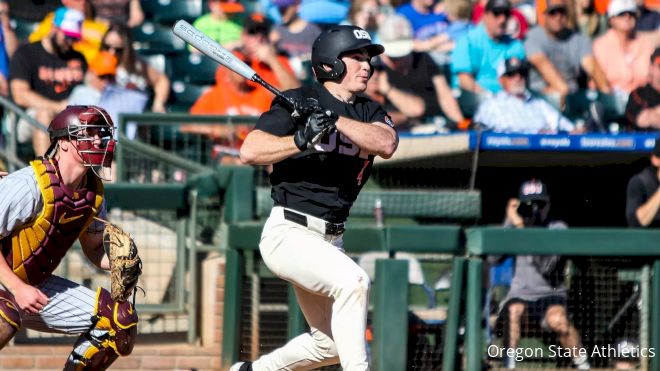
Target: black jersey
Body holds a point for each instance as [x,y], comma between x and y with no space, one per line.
[323,182]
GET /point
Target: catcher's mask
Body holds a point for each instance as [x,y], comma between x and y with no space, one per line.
[335,41]
[93,131]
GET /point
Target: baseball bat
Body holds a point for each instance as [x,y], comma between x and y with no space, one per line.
[209,47]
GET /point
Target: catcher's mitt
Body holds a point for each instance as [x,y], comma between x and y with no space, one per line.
[125,263]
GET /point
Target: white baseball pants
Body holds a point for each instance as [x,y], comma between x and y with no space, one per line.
[332,290]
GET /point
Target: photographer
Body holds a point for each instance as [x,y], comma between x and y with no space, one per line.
[537,288]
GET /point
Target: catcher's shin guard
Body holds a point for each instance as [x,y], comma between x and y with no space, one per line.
[112,335]
[10,319]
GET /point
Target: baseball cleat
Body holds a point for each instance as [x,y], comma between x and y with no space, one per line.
[241,366]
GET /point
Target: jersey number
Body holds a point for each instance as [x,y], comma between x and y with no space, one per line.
[346,147]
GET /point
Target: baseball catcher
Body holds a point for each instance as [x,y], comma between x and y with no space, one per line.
[44,209]
[322,152]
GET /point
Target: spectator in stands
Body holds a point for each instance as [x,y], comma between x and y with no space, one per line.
[429,29]
[222,23]
[643,194]
[132,71]
[587,20]
[643,108]
[295,35]
[538,289]
[128,12]
[515,109]
[262,56]
[411,82]
[649,18]
[232,94]
[367,15]
[483,48]
[101,90]
[92,30]
[621,51]
[559,55]
[516,24]
[8,45]
[42,74]
[458,13]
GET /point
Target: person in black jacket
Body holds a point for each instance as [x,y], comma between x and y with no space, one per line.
[643,194]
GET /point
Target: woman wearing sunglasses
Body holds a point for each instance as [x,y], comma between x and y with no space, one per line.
[133,72]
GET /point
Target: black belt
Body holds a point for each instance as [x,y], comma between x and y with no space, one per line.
[330,228]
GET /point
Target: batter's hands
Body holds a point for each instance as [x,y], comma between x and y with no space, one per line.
[304,107]
[3,174]
[318,124]
[30,299]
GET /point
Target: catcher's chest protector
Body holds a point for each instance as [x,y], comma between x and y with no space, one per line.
[34,251]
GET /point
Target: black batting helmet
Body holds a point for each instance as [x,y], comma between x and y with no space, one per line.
[335,41]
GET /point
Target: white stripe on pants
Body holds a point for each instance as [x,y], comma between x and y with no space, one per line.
[333,293]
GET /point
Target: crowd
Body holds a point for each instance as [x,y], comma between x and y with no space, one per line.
[501,65]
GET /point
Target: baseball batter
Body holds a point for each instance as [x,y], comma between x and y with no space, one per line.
[320,161]
[44,208]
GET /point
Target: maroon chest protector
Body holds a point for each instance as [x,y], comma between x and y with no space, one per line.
[34,251]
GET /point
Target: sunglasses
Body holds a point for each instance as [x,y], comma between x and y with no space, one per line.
[70,39]
[630,14]
[557,11]
[506,13]
[116,49]
[522,73]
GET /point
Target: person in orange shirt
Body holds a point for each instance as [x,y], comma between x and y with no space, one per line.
[231,95]
[622,52]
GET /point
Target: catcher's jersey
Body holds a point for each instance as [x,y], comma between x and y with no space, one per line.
[21,202]
[323,182]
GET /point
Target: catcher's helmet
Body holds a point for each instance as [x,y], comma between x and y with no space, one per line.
[85,124]
[335,41]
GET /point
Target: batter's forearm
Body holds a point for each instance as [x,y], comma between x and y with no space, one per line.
[261,148]
[372,138]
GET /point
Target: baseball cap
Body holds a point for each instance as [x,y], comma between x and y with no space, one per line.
[231,6]
[493,5]
[533,190]
[655,57]
[395,33]
[512,64]
[256,24]
[556,4]
[284,3]
[104,64]
[69,21]
[617,7]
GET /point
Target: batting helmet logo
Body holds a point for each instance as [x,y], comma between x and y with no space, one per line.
[361,35]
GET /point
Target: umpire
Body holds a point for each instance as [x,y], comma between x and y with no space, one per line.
[322,154]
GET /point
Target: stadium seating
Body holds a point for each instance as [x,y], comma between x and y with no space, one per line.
[23,28]
[153,38]
[193,68]
[184,95]
[169,11]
